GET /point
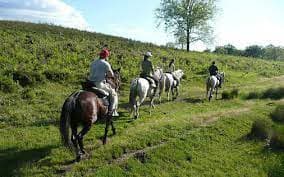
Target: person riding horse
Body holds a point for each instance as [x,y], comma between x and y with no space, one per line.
[213,71]
[171,69]
[148,70]
[99,70]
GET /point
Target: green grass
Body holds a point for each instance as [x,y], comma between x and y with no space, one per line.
[187,137]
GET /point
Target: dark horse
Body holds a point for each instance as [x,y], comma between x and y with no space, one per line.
[85,107]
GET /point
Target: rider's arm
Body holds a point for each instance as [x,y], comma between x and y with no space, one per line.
[109,70]
[152,68]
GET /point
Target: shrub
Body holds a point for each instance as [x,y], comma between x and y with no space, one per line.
[261,129]
[28,78]
[235,93]
[274,93]
[230,95]
[56,75]
[7,85]
[278,114]
[253,95]
[28,94]
[226,95]
[277,140]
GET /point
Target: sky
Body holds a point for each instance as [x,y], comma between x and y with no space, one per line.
[238,22]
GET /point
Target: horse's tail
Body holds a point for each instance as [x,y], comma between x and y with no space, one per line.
[65,119]
[133,92]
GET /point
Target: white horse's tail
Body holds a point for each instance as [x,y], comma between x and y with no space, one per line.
[133,93]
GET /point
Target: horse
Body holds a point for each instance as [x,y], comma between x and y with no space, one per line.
[85,107]
[170,84]
[141,88]
[212,83]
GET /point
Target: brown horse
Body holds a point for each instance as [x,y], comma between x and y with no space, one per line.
[85,107]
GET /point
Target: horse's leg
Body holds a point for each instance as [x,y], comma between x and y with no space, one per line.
[177,93]
[210,94]
[207,89]
[216,92]
[162,87]
[152,102]
[106,128]
[74,140]
[112,127]
[137,111]
[173,93]
[80,136]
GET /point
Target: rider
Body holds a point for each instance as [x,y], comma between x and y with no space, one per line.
[148,70]
[213,70]
[172,69]
[99,70]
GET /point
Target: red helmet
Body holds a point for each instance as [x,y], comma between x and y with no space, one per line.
[104,54]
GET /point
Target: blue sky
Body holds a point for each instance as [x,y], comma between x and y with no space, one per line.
[239,22]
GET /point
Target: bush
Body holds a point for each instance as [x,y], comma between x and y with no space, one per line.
[274,93]
[235,93]
[277,140]
[278,114]
[7,85]
[261,129]
[56,75]
[28,94]
[226,95]
[230,95]
[253,95]
[28,78]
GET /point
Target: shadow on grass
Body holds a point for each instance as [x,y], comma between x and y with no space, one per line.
[193,100]
[12,159]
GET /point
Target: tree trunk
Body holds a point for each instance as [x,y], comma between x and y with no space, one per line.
[187,40]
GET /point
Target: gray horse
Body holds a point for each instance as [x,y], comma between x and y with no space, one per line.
[170,84]
[212,84]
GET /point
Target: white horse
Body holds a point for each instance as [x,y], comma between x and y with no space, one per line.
[212,84]
[170,84]
[141,88]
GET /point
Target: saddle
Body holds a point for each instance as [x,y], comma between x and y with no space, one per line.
[175,79]
[150,80]
[90,86]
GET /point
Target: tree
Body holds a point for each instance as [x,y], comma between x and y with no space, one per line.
[228,49]
[253,51]
[273,52]
[190,18]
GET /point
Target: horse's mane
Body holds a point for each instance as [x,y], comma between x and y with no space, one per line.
[158,72]
[178,73]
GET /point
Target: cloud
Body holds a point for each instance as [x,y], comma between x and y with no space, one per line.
[43,11]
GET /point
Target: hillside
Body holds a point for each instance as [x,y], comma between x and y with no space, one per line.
[40,65]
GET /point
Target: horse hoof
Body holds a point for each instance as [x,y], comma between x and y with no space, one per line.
[104,141]
[78,158]
[135,117]
[114,132]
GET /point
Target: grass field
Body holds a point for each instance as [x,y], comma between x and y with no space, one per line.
[185,137]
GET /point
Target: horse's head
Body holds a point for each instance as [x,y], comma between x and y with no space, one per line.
[222,76]
[178,74]
[158,73]
[115,80]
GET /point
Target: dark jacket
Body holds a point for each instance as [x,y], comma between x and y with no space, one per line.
[213,70]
